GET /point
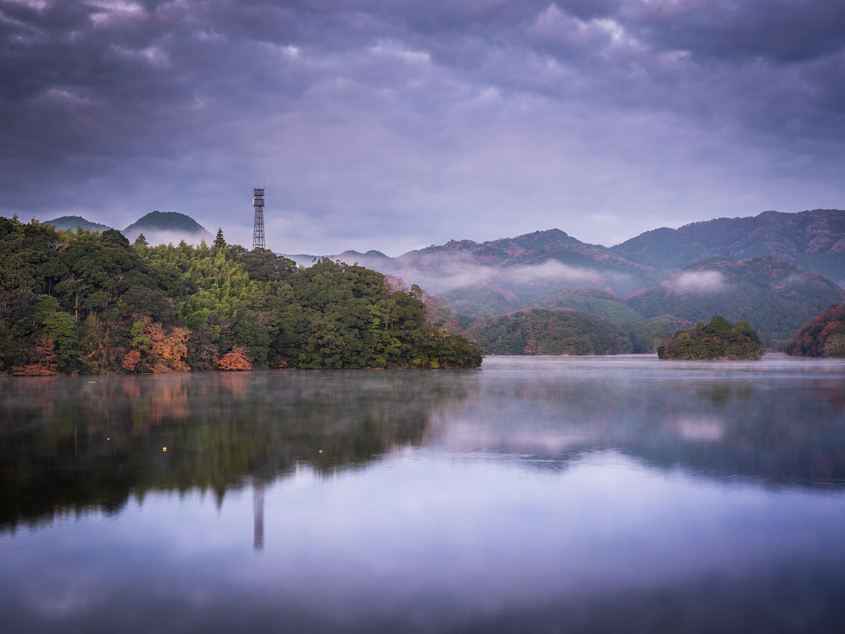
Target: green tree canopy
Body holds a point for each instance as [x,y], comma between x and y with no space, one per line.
[91,302]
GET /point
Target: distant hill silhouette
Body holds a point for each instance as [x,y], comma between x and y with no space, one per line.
[73,222]
[168,226]
[350,256]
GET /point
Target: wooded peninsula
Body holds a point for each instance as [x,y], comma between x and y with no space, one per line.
[92,303]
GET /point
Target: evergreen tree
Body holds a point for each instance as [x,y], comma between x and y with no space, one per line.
[220,241]
[113,236]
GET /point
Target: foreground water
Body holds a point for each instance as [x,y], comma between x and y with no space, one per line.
[615,494]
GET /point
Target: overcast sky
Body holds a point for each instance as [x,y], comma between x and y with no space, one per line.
[396,124]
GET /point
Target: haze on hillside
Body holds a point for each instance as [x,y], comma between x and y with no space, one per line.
[165,227]
[775,271]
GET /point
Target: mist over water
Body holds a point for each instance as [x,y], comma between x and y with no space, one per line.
[534,494]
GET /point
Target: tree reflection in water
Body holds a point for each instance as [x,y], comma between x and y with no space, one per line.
[69,444]
[72,444]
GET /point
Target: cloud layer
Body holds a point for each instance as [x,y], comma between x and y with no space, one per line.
[697,282]
[397,125]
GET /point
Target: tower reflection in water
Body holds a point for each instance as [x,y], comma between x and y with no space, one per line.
[258,517]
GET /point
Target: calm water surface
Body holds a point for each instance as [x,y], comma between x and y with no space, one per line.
[616,494]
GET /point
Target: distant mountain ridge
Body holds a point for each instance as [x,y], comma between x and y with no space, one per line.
[812,239]
[73,222]
[525,267]
[529,248]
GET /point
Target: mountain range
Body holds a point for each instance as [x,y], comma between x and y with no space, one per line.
[814,240]
[775,270]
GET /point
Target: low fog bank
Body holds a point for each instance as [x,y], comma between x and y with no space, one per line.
[697,282]
[157,237]
[441,273]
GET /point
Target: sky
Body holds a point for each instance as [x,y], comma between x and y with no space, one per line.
[398,124]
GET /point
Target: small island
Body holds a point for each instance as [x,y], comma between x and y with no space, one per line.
[717,340]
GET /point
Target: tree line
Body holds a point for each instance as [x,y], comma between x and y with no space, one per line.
[92,303]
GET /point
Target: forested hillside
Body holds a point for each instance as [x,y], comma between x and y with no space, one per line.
[550,332]
[92,303]
[814,240]
[772,295]
[822,336]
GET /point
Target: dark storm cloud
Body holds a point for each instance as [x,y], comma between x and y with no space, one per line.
[408,121]
[779,30]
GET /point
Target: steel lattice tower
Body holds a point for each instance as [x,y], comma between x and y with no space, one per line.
[258,227]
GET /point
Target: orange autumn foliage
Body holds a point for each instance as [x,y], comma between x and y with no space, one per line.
[130,361]
[235,360]
[43,360]
[35,370]
[166,353]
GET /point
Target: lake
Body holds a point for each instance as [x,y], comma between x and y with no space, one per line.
[535,494]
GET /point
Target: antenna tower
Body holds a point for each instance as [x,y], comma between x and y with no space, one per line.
[258,227]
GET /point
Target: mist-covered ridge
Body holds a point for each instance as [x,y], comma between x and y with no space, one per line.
[775,271]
